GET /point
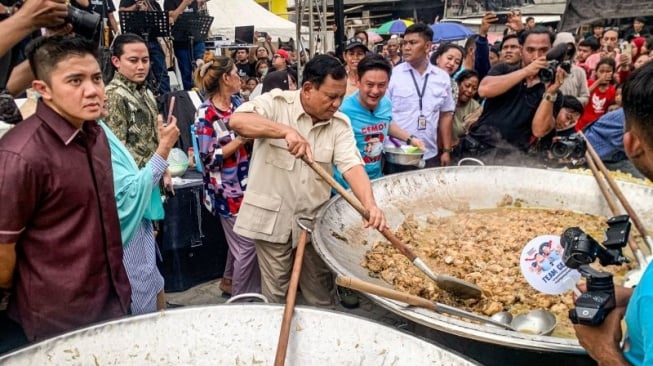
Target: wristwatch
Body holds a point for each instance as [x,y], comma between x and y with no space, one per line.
[550,97]
[409,140]
[447,149]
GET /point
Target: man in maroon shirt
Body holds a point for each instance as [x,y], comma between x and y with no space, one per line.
[60,245]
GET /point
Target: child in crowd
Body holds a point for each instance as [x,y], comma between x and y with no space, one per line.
[602,92]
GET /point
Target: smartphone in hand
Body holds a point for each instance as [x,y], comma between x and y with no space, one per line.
[170,110]
[502,18]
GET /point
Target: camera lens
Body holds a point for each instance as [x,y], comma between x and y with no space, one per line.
[84,23]
[561,150]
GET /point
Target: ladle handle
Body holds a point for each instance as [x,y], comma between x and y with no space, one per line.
[617,191]
[359,207]
[362,286]
[289,308]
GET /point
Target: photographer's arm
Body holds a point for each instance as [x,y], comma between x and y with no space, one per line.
[602,342]
[495,85]
[33,15]
[544,120]
[20,79]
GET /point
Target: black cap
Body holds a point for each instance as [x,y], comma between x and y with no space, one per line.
[274,80]
[355,42]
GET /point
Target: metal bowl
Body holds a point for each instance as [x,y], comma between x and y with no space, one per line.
[536,321]
[442,191]
[399,156]
[235,335]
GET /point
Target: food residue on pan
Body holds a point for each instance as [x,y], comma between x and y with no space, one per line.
[484,248]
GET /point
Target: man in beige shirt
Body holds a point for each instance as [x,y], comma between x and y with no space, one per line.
[287,126]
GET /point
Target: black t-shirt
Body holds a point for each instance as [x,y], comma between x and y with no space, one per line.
[512,112]
[171,5]
[246,69]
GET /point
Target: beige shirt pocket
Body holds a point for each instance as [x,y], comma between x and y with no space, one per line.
[259,212]
[279,155]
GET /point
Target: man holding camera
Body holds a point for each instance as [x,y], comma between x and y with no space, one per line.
[519,105]
[602,342]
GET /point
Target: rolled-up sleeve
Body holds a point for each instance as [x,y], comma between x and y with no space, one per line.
[18,195]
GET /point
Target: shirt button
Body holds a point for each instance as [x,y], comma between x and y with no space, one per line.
[303,181]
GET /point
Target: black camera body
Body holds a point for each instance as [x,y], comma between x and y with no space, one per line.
[85,23]
[555,57]
[548,74]
[580,250]
[569,147]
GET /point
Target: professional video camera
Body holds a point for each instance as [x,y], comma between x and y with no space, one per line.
[86,24]
[580,250]
[555,57]
[569,147]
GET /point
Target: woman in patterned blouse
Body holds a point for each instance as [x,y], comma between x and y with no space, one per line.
[225,161]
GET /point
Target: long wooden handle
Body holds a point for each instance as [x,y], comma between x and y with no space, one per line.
[359,207]
[362,286]
[613,207]
[617,191]
[291,297]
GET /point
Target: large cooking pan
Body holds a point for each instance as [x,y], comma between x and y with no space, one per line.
[235,335]
[436,191]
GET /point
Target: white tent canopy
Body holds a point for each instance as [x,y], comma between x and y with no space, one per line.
[229,14]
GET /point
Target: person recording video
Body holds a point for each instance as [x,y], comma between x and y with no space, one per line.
[520,103]
[603,342]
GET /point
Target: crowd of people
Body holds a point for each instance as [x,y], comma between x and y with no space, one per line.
[78,237]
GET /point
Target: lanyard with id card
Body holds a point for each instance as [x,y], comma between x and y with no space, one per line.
[421,120]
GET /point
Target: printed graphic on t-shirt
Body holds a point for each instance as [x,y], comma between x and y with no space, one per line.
[598,103]
[374,138]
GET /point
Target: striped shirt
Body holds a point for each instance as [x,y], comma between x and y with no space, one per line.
[140,253]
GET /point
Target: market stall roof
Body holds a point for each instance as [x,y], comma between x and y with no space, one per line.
[579,12]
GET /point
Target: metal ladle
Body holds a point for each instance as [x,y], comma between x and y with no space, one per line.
[538,322]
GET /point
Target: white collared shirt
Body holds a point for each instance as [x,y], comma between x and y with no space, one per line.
[405,102]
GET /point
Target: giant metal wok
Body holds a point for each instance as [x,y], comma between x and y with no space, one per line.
[235,335]
[440,191]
